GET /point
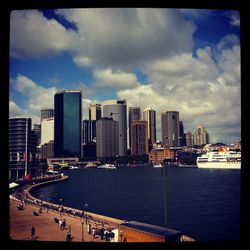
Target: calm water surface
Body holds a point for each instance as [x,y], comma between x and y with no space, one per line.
[202,203]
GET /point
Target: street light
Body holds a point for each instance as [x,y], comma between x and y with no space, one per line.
[85,206]
[82,231]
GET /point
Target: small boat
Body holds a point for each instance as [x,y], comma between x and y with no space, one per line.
[158,166]
[107,166]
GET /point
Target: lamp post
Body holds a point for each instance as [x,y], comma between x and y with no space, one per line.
[85,206]
[82,231]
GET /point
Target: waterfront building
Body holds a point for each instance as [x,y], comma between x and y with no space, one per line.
[189,139]
[23,153]
[37,130]
[134,114]
[68,124]
[47,113]
[149,115]
[170,128]
[95,112]
[117,109]
[89,131]
[201,136]
[139,138]
[158,155]
[107,137]
[47,130]
[182,135]
[47,150]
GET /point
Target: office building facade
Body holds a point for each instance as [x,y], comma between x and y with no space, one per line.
[23,152]
[189,139]
[89,131]
[201,136]
[47,113]
[182,135]
[139,138]
[107,138]
[68,124]
[95,111]
[134,114]
[117,109]
[47,130]
[170,128]
[149,115]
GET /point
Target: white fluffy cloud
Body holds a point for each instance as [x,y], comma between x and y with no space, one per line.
[32,35]
[37,97]
[204,90]
[109,79]
[127,37]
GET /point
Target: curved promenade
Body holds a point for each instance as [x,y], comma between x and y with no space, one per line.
[21,220]
[27,211]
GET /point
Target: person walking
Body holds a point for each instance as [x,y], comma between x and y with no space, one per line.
[33,233]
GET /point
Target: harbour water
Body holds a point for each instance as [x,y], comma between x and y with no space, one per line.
[203,203]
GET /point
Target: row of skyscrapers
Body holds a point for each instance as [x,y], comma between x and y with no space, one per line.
[62,133]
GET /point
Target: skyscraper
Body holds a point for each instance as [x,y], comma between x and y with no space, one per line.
[201,136]
[170,128]
[107,140]
[68,120]
[47,130]
[95,112]
[149,115]
[189,139]
[134,114]
[47,113]
[23,154]
[89,131]
[182,135]
[117,109]
[139,138]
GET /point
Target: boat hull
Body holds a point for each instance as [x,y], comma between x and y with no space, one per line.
[222,165]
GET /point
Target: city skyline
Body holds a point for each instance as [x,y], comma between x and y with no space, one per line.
[168,59]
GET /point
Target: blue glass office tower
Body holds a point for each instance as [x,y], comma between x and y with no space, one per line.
[67,128]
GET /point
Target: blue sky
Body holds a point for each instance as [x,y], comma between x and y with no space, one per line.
[168,59]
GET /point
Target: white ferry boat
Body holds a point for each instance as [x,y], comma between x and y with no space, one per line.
[158,166]
[220,159]
[107,166]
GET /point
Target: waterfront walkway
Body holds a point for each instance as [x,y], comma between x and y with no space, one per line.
[27,211]
[46,229]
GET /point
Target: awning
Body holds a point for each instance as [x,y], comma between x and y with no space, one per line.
[13,185]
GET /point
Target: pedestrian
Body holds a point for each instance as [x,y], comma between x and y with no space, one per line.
[102,231]
[68,236]
[33,233]
[63,223]
[93,232]
[60,224]
[69,229]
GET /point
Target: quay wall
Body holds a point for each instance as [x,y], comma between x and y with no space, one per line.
[96,217]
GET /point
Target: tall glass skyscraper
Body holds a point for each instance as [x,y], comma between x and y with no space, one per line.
[170,128]
[67,129]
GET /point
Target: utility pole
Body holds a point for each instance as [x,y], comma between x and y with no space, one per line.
[164,172]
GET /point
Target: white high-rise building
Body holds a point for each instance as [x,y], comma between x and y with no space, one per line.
[201,136]
[117,109]
[47,130]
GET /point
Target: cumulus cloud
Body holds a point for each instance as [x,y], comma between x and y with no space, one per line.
[127,37]
[14,109]
[32,35]
[37,96]
[115,79]
[202,89]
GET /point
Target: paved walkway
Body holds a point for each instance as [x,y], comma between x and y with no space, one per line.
[46,229]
